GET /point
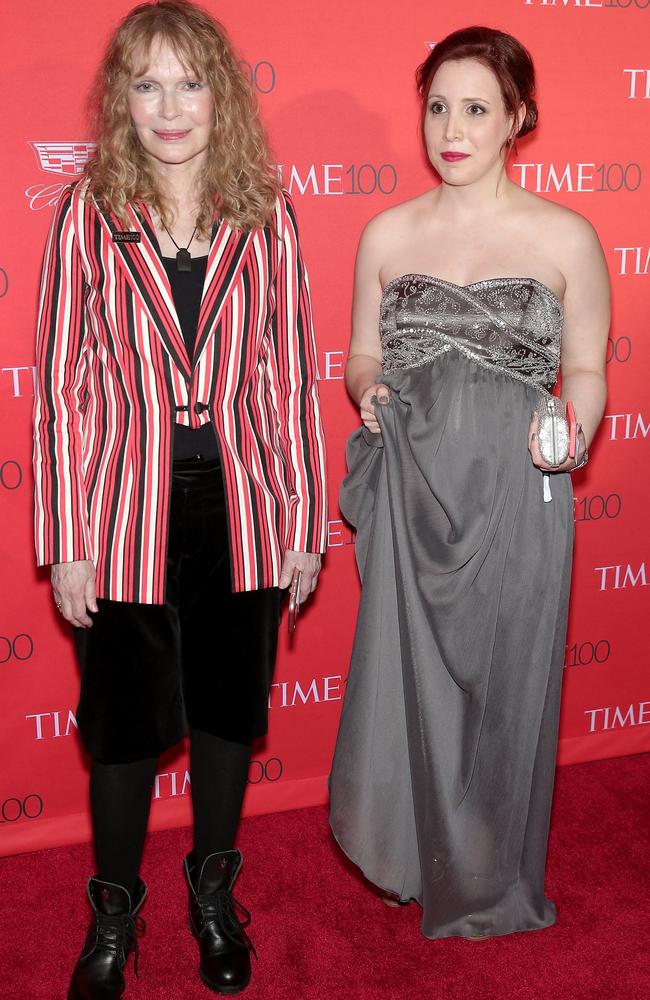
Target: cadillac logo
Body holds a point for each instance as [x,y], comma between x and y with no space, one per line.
[67,159]
[63,157]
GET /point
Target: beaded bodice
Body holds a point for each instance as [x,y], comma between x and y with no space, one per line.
[513,325]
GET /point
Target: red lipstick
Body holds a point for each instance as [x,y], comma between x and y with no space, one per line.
[454,157]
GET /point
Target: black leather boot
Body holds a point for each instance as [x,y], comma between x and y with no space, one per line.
[217,921]
[99,972]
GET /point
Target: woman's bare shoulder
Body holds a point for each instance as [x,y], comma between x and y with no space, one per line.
[570,241]
[561,226]
[395,222]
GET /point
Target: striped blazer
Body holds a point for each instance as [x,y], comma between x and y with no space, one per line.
[113,375]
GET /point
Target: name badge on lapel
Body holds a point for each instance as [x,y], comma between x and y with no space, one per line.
[127,236]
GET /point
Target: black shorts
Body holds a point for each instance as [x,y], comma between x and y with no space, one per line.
[204,659]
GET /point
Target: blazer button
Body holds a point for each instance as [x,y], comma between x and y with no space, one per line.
[200,407]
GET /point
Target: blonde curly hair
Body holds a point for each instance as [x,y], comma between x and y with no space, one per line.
[238,179]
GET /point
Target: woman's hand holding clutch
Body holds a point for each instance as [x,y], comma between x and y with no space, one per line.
[570,463]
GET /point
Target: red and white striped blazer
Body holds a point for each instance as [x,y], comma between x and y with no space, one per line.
[113,375]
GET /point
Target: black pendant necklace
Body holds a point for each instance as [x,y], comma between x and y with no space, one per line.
[183,259]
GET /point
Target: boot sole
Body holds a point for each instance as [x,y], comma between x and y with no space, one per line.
[224,990]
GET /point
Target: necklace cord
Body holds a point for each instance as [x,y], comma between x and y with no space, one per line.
[174,241]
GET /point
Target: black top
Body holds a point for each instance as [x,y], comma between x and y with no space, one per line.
[187,287]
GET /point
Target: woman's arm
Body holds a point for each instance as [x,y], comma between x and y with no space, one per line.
[293,375]
[586,328]
[364,358]
[62,532]
[584,336]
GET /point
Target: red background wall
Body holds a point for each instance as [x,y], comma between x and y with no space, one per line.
[336,90]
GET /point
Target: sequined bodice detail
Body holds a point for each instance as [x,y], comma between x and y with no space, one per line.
[513,325]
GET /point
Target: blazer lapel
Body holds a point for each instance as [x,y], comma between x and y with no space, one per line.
[227,257]
[146,275]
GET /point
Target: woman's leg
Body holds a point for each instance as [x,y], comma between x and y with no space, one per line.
[228,646]
[218,772]
[120,799]
[130,710]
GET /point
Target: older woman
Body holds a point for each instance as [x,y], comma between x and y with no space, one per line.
[178,460]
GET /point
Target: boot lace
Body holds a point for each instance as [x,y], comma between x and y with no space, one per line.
[126,929]
[230,916]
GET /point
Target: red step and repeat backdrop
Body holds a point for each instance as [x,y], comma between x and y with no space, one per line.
[336,90]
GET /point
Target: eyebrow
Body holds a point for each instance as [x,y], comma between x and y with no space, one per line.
[152,79]
[441,97]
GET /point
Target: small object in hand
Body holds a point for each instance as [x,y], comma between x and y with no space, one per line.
[294,601]
[574,429]
[553,431]
[583,462]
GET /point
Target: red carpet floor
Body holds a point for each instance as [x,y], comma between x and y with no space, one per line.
[321,933]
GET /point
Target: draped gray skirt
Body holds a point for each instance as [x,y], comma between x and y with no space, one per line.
[443,773]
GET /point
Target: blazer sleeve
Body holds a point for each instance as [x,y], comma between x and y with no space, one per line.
[61,517]
[295,372]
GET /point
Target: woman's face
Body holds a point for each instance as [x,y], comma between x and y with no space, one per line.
[171,109]
[466,125]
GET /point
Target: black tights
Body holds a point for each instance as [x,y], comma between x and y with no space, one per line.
[120,798]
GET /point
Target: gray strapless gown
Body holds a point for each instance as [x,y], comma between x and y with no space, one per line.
[442,778]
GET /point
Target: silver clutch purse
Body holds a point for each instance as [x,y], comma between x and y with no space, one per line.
[553,433]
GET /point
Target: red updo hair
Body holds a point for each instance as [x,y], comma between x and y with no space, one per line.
[509,60]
